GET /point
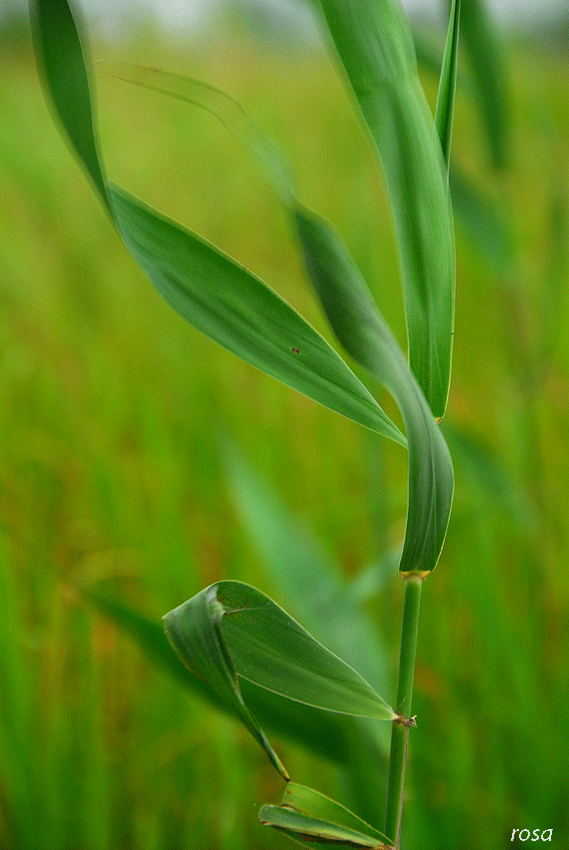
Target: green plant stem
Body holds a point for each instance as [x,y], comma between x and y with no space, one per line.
[400,731]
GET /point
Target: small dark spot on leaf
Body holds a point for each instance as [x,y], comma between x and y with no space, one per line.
[295,350]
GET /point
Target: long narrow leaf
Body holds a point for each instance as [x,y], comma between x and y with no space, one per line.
[231,631]
[314,820]
[210,290]
[363,332]
[375,45]
[447,85]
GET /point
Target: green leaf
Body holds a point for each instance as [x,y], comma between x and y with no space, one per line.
[363,332]
[316,593]
[231,631]
[375,45]
[210,290]
[447,85]
[313,819]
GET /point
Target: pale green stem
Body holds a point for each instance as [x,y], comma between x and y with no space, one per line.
[400,730]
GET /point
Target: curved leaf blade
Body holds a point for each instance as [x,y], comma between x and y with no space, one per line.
[363,332]
[265,646]
[375,45]
[209,289]
[194,631]
[231,631]
[314,830]
[313,820]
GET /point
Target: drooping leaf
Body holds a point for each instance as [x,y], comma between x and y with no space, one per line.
[365,335]
[447,84]
[350,742]
[210,290]
[375,45]
[231,631]
[314,820]
[433,324]
[318,595]
[235,309]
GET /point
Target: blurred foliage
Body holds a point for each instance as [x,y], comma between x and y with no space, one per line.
[111,474]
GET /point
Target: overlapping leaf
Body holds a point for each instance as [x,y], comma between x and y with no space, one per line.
[375,45]
[231,631]
[215,294]
[314,820]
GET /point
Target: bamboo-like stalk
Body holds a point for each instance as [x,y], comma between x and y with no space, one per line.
[401,725]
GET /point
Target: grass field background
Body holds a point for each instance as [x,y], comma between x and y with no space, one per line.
[113,417]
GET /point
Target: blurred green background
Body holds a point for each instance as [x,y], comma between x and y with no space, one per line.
[113,415]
